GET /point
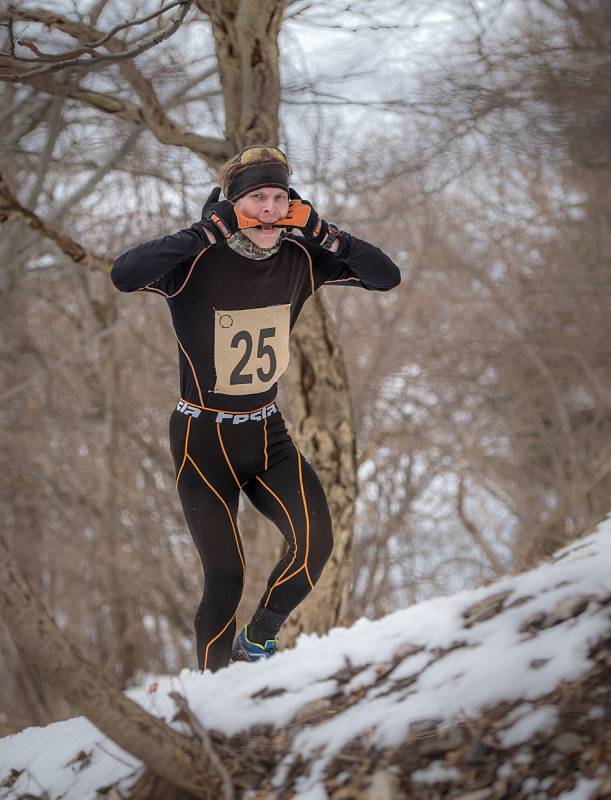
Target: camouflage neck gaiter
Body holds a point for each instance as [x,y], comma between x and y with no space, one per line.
[244,247]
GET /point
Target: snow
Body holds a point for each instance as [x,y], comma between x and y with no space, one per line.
[44,755]
[584,790]
[539,721]
[456,672]
[529,786]
[435,773]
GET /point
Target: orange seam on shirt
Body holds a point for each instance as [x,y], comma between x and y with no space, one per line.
[309,261]
[149,288]
[288,566]
[235,477]
[265,440]
[184,283]
[199,391]
[184,458]
[341,280]
[307,517]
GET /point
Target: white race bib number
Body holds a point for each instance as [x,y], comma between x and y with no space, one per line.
[251,348]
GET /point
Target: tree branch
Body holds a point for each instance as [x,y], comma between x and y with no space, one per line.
[10,209]
[170,754]
[475,534]
[151,112]
[73,58]
[185,711]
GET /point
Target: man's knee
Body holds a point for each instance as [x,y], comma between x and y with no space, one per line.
[223,585]
[321,553]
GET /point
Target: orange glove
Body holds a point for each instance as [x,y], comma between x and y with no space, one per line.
[245,222]
[298,215]
[301,215]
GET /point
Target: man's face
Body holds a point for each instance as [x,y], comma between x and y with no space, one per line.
[267,205]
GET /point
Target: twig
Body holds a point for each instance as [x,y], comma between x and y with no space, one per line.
[146,44]
[10,208]
[11,34]
[477,537]
[98,337]
[184,708]
[134,22]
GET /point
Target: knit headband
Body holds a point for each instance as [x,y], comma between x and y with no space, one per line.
[256,176]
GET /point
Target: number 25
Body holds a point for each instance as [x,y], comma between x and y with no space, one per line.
[239,377]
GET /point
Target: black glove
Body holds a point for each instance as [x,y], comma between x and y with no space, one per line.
[218,216]
[313,227]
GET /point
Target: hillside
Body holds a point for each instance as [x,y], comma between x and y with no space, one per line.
[500,692]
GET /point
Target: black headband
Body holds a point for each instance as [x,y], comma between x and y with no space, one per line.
[256,176]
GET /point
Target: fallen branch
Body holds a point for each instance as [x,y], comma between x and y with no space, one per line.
[187,714]
[177,758]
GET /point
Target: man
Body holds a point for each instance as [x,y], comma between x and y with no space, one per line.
[235,283]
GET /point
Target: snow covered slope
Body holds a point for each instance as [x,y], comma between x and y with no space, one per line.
[405,705]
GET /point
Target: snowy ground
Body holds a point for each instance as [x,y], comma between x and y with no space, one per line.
[515,640]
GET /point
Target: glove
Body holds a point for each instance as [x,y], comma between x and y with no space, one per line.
[246,222]
[218,216]
[222,218]
[301,215]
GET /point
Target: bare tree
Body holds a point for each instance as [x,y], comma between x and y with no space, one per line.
[478,391]
[246,51]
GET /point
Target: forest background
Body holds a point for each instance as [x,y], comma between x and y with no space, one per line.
[470,140]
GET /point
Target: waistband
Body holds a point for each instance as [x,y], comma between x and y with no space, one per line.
[227,416]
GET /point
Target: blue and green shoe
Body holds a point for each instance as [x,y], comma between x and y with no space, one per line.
[245,650]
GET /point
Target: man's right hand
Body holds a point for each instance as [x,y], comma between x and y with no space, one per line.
[218,217]
[222,219]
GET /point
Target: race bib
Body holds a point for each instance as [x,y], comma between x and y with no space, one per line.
[251,348]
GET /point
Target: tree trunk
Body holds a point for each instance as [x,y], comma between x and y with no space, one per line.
[123,660]
[175,757]
[321,416]
[246,40]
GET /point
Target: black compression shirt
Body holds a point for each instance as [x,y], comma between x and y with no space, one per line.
[232,315]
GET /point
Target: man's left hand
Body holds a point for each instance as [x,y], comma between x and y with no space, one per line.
[302,215]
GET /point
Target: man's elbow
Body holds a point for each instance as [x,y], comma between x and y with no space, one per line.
[119,276]
[393,278]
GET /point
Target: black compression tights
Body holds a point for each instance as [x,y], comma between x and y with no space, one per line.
[214,461]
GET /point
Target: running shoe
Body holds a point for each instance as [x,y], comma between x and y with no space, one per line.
[245,650]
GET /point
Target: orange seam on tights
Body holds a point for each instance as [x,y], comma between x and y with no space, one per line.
[237,541]
[288,566]
[288,577]
[184,458]
[210,486]
[212,641]
[307,516]
[235,477]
